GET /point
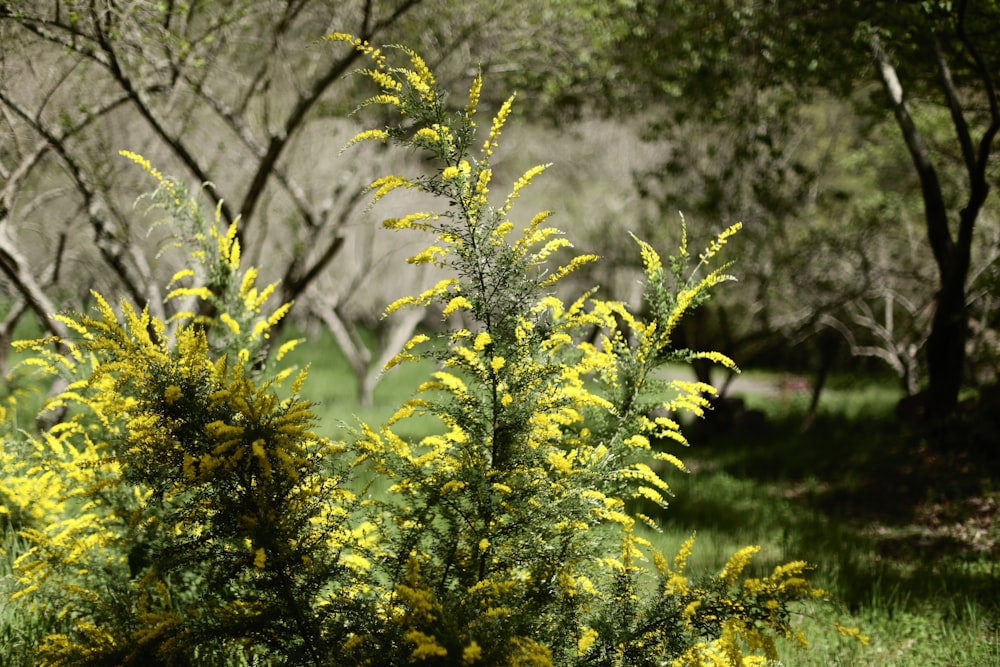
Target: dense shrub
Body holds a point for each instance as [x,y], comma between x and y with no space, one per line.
[184,511]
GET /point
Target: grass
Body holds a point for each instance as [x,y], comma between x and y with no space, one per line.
[900,544]
[903,537]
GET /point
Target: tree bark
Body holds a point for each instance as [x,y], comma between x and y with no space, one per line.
[946,344]
[950,324]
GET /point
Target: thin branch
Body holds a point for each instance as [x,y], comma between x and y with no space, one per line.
[174,142]
[989,85]
[239,128]
[294,284]
[979,186]
[304,104]
[955,107]
[111,249]
[935,212]
[15,266]
[42,28]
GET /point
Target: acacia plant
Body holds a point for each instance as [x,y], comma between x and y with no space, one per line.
[184,512]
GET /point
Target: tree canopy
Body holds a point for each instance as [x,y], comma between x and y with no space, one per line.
[747,69]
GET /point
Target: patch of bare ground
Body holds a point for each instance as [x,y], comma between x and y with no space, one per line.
[969,527]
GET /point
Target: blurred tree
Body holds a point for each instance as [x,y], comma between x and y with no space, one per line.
[224,91]
[237,95]
[752,66]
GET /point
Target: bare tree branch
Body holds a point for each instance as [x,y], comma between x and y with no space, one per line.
[935,212]
[111,248]
[15,267]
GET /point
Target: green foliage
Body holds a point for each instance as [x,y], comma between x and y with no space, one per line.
[184,512]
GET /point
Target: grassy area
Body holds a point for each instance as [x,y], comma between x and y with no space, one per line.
[905,544]
[903,537]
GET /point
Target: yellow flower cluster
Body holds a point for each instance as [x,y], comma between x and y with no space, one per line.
[486,542]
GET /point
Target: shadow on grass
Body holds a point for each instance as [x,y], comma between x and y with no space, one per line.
[896,517]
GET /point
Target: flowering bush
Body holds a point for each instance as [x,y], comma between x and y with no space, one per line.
[184,512]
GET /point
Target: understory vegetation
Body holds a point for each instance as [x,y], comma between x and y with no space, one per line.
[361,380]
[176,505]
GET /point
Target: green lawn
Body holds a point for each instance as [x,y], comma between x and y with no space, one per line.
[904,538]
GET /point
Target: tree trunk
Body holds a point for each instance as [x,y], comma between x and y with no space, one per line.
[946,345]
[949,328]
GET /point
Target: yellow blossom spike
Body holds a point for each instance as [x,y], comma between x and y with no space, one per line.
[716,245]
[650,259]
[180,275]
[383,186]
[475,90]
[522,183]
[737,563]
[718,358]
[458,302]
[565,270]
[367,135]
[498,122]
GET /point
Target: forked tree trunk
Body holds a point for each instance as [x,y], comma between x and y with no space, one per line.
[949,327]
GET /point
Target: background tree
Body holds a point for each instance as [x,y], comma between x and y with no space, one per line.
[225,91]
[752,67]
[238,95]
[763,111]
[233,94]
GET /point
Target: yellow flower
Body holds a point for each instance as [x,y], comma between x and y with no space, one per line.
[425,647]
[456,303]
[737,563]
[172,394]
[259,558]
[367,135]
[716,245]
[474,92]
[356,562]
[202,293]
[233,325]
[498,122]
[498,363]
[452,485]
[566,269]
[482,340]
[383,186]
[427,134]
[522,183]
[637,441]
[364,47]
[180,275]
[718,358]
[680,560]
[854,633]
[483,181]
[587,639]
[188,468]
[428,255]
[472,653]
